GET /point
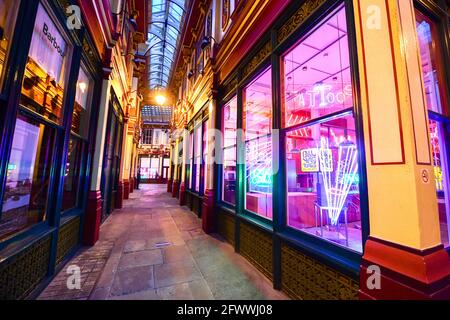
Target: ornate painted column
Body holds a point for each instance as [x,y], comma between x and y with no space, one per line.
[208,216]
[404,242]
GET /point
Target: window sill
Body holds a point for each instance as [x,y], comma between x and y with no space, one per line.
[24,240]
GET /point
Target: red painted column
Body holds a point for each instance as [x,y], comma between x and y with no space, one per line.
[119,196]
[92,219]
[126,190]
[405,273]
[169,185]
[208,216]
[182,194]
[175,189]
[132,185]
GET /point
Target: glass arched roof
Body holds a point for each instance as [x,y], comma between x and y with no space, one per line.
[163,32]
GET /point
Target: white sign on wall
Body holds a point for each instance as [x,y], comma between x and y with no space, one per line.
[48,47]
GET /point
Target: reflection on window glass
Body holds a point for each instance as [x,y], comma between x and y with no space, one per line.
[229,125]
[258,145]
[323,182]
[197,155]
[431,64]
[440,162]
[322,158]
[191,160]
[205,153]
[81,112]
[72,175]
[436,101]
[28,176]
[45,73]
[8,15]
[317,79]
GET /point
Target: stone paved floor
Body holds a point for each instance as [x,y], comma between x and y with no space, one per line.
[159,251]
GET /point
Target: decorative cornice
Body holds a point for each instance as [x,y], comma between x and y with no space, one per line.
[298,18]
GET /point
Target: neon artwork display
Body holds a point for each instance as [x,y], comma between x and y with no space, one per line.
[322,158]
[337,185]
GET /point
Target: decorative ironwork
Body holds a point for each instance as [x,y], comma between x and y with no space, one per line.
[257,59]
[230,86]
[298,18]
[303,277]
[256,246]
[23,272]
[68,238]
[226,227]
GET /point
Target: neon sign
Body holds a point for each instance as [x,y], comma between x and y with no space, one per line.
[337,187]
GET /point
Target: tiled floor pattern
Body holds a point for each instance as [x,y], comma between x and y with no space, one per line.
[159,252]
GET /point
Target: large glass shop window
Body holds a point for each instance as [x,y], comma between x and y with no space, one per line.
[437,102]
[8,15]
[229,126]
[191,160]
[257,102]
[205,153]
[197,155]
[80,130]
[46,69]
[322,158]
[30,163]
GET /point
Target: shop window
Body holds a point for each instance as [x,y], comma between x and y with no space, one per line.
[191,161]
[317,78]
[72,175]
[437,104]
[8,15]
[257,102]
[197,155]
[78,141]
[81,112]
[205,154]
[46,69]
[28,176]
[229,126]
[322,158]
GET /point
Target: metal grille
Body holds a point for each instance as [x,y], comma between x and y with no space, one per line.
[305,278]
[256,246]
[23,272]
[226,227]
[68,238]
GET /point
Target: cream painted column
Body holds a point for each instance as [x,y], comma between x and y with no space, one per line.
[175,159]
[97,167]
[403,213]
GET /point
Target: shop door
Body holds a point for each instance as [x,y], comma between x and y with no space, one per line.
[108,165]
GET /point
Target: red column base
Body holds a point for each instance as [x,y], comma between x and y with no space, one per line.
[126,190]
[92,218]
[169,185]
[406,274]
[182,194]
[119,196]
[132,185]
[208,216]
[175,189]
